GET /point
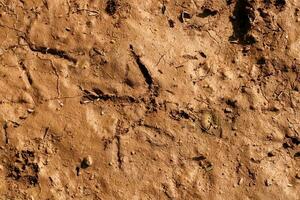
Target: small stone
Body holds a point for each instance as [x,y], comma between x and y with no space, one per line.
[289,185]
[298,175]
[206,121]
[92,177]
[268,182]
[241,181]
[85,101]
[30,110]
[86,162]
[228,110]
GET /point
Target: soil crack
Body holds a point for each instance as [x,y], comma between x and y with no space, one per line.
[48,50]
[144,70]
[97,94]
[5,126]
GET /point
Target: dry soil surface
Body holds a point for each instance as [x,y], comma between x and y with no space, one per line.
[152,99]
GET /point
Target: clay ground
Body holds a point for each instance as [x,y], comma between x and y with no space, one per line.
[152,99]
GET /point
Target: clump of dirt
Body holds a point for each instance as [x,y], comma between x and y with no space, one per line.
[24,168]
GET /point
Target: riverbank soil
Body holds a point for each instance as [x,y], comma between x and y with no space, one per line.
[184,99]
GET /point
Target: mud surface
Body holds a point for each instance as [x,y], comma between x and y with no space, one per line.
[184,99]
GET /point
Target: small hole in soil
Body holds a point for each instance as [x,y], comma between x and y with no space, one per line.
[271,154]
[111,7]
[261,61]
[203,54]
[207,12]
[171,23]
[241,20]
[280,3]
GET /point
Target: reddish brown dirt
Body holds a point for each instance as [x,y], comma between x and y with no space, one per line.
[153,99]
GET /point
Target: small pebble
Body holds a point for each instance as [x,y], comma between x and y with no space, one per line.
[268,182]
[228,110]
[92,177]
[86,162]
[241,181]
[206,121]
[30,110]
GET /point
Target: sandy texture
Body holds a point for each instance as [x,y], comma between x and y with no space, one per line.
[152,99]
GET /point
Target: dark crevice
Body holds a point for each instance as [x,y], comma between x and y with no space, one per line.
[261,61]
[171,23]
[202,54]
[52,51]
[228,2]
[119,155]
[180,114]
[291,142]
[24,68]
[280,3]
[163,8]
[184,15]
[267,2]
[147,76]
[97,94]
[199,158]
[111,7]
[207,12]
[242,18]
[5,133]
